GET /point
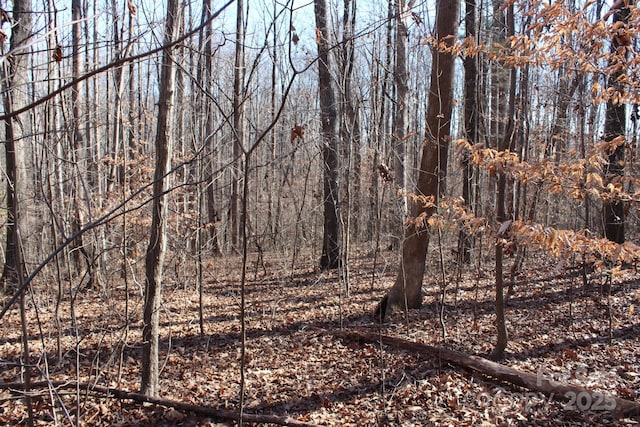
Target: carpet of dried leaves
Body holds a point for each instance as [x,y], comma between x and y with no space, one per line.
[579,333]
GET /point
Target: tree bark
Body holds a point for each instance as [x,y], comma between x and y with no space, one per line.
[330,258]
[14,269]
[349,129]
[407,290]
[82,258]
[615,126]
[238,125]
[14,75]
[465,240]
[205,78]
[504,144]
[400,114]
[156,250]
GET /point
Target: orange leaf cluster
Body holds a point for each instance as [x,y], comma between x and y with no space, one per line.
[450,213]
[297,132]
[453,214]
[567,243]
[57,54]
[576,178]
[557,36]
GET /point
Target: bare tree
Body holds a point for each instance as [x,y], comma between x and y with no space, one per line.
[407,290]
[504,144]
[378,134]
[206,79]
[238,123]
[329,123]
[157,239]
[14,71]
[14,77]
[401,109]
[82,257]
[470,125]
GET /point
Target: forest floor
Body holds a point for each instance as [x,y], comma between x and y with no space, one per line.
[560,327]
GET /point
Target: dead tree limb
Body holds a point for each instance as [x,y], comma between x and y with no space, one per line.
[534,382]
[181,406]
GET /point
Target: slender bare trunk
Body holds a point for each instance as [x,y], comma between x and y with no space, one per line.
[329,131]
[504,144]
[157,240]
[465,241]
[238,124]
[400,113]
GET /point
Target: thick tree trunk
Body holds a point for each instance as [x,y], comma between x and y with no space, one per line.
[14,269]
[14,75]
[157,239]
[615,126]
[407,290]
[330,258]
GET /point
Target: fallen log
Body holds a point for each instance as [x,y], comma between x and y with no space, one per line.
[578,396]
[224,414]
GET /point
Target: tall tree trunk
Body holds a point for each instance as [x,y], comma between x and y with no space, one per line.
[82,258]
[498,85]
[205,105]
[379,111]
[465,241]
[615,126]
[16,137]
[330,258]
[407,290]
[503,145]
[238,124]
[351,121]
[115,170]
[14,78]
[349,132]
[157,240]
[400,114]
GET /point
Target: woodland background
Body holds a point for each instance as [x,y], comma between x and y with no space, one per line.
[208,202]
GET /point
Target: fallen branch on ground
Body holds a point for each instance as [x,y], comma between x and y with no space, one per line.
[181,406]
[535,382]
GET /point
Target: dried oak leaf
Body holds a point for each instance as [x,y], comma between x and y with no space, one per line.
[385,173]
[4,16]
[132,8]
[57,54]
[623,39]
[297,132]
